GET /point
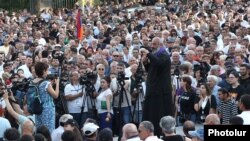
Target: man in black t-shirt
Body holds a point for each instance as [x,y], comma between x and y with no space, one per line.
[244,79]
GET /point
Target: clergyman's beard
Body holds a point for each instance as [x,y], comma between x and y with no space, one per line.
[154,50]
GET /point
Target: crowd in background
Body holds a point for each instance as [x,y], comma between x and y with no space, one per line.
[86,86]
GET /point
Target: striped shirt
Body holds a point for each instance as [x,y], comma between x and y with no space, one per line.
[227,110]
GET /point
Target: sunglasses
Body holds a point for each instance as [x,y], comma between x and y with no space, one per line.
[101,69]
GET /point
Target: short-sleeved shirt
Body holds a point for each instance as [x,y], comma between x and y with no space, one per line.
[5,124]
[102,98]
[74,106]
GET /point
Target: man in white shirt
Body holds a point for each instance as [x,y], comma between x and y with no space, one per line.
[26,67]
[5,124]
[57,133]
[6,69]
[75,98]
[245,107]
[45,15]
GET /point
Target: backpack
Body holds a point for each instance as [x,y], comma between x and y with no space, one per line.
[34,104]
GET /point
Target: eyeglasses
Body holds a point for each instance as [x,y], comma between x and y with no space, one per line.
[115,55]
[101,69]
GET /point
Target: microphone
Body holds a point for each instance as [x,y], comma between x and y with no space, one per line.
[8,84]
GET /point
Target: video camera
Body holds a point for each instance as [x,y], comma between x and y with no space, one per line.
[87,78]
[58,55]
[139,74]
[203,67]
[121,77]
[21,84]
[52,77]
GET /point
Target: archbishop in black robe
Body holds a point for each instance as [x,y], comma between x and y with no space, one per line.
[158,99]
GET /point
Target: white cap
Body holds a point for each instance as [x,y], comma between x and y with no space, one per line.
[65,117]
[57,45]
[90,128]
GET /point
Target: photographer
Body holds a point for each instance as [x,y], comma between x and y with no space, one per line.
[89,80]
[74,97]
[121,99]
[47,94]
[137,92]
[59,55]
[19,87]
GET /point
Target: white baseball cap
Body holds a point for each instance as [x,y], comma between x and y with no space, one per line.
[89,129]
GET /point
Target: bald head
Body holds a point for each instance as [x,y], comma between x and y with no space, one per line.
[188,126]
[28,128]
[212,119]
[129,130]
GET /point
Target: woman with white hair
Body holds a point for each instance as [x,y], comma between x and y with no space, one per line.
[216,71]
[100,68]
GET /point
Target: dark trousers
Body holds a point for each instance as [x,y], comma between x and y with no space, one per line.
[80,118]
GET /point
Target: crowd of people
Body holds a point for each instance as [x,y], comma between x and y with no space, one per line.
[134,72]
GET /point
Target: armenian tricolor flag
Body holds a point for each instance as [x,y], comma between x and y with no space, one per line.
[79,26]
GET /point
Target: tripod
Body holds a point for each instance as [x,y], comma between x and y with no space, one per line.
[178,110]
[121,112]
[60,103]
[138,104]
[88,98]
[139,97]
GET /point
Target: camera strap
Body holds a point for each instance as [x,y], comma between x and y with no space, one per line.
[84,100]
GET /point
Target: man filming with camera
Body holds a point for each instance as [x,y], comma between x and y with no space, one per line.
[137,91]
[122,98]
